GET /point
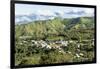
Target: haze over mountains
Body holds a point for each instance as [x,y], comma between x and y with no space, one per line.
[26,18]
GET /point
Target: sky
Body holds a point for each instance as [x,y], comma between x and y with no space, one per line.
[26,9]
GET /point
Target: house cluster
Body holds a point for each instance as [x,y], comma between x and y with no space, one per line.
[57,44]
[50,45]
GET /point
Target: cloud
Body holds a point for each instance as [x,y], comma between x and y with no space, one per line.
[89,12]
[82,11]
[45,12]
[52,10]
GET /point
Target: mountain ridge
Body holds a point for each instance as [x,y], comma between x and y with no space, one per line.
[41,16]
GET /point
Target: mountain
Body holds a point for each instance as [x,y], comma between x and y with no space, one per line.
[54,29]
[80,22]
[22,19]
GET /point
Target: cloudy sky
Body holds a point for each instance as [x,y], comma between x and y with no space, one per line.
[26,9]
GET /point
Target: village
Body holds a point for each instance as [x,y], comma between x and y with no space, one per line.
[59,44]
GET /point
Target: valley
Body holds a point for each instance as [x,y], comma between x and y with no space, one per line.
[55,40]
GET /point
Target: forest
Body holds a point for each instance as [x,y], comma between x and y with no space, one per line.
[55,41]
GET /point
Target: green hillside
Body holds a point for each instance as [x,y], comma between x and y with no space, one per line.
[44,29]
[55,41]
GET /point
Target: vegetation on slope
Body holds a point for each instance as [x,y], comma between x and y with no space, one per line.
[77,32]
